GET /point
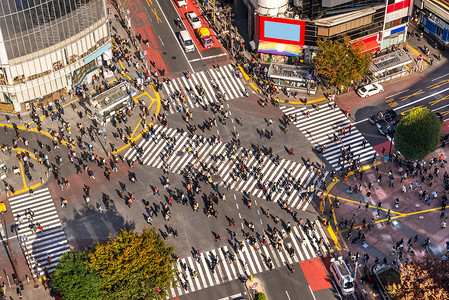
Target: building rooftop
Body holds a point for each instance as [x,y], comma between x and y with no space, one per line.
[277,70]
[390,61]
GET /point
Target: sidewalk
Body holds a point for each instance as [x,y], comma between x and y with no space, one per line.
[73,115]
[378,234]
[32,291]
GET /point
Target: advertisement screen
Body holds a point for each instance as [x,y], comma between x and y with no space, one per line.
[282,31]
[277,30]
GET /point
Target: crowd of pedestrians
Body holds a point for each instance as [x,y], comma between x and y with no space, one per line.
[424,182]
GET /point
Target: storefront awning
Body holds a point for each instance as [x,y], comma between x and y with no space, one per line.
[279,49]
[370,46]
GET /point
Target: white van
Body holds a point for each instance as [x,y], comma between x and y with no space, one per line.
[186,41]
[342,276]
[181,3]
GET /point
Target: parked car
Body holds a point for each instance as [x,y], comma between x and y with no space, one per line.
[181,3]
[194,20]
[388,128]
[369,90]
[386,115]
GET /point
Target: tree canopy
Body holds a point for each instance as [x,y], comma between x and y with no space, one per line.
[418,283]
[341,62]
[74,280]
[134,266]
[417,134]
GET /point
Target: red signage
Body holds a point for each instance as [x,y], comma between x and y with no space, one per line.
[272,30]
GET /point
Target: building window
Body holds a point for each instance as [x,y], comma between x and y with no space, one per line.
[439,31]
[19,79]
[350,25]
[323,31]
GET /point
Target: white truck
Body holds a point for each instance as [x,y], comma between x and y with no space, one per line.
[342,276]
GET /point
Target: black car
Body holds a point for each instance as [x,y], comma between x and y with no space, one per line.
[389,128]
[386,115]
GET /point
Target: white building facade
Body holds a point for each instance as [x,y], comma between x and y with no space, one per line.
[49,46]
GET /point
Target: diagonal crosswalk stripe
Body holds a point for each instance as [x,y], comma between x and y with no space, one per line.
[190,149]
[223,77]
[324,127]
[249,261]
[44,248]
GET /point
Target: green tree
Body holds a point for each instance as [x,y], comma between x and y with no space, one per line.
[418,134]
[134,266]
[74,279]
[341,62]
[416,283]
[261,296]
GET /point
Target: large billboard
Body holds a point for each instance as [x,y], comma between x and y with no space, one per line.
[285,31]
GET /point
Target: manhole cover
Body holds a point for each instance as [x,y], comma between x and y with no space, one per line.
[164,53]
[173,57]
[180,153]
[216,178]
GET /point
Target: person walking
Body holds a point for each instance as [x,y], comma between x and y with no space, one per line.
[156,191]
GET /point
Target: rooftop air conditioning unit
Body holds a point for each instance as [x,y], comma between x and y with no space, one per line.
[290,14]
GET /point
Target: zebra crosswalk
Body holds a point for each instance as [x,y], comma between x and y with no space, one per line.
[324,127]
[43,247]
[220,80]
[191,150]
[196,272]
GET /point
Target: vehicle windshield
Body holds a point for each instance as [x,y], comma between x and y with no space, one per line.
[189,43]
[195,19]
[363,89]
[349,285]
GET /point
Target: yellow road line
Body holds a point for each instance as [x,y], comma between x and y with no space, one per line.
[243,72]
[124,72]
[35,130]
[254,87]
[247,78]
[158,108]
[93,91]
[141,119]
[26,189]
[401,215]
[334,237]
[329,228]
[24,150]
[357,202]
[413,50]
[23,175]
[299,102]
[421,211]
